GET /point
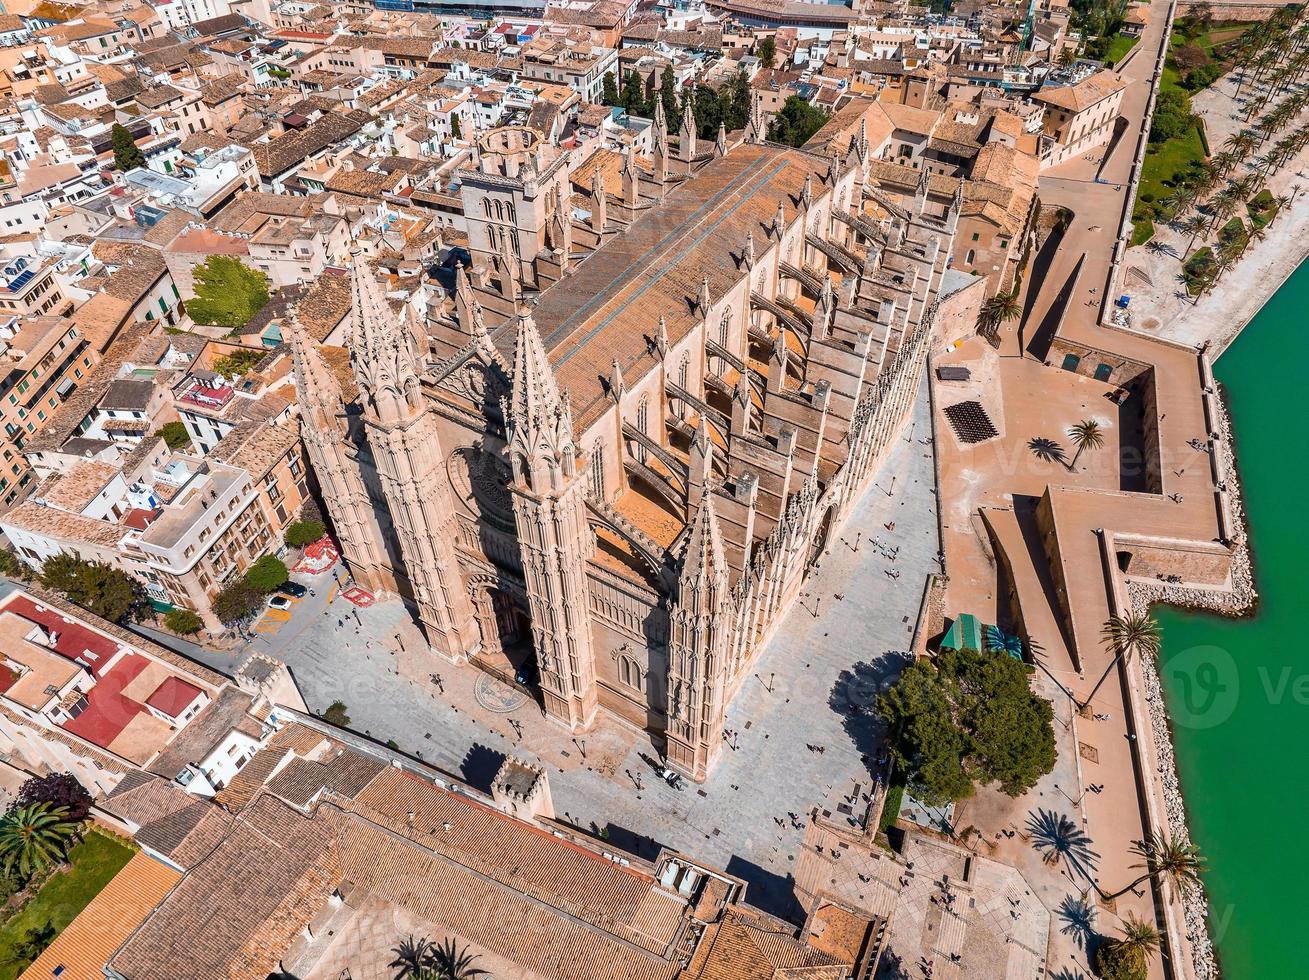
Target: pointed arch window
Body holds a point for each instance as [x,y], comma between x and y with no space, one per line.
[725,329]
[643,424]
[598,471]
[630,673]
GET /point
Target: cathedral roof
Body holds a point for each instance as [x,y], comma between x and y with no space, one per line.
[608,308]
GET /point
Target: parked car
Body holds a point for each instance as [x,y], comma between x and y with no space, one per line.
[279,601]
[294,589]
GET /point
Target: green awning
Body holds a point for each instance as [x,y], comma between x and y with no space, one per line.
[965,633]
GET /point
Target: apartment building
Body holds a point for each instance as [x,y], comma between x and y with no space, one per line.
[185,526]
[1079,116]
[42,361]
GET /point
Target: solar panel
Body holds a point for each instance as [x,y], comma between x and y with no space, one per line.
[970,422]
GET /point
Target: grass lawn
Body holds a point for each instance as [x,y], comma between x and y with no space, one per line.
[1164,161]
[94,861]
[891,807]
[1142,231]
[1119,45]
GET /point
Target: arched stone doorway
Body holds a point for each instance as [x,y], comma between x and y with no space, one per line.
[506,629]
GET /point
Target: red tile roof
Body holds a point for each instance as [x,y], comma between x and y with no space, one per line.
[173,696]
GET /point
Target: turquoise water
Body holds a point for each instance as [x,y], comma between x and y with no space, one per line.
[1239,689]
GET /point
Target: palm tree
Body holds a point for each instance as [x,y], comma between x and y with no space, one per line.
[1166,860]
[997,310]
[1135,632]
[34,836]
[1086,434]
[1194,226]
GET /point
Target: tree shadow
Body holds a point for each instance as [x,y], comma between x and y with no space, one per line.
[1047,450]
[480,766]
[853,697]
[1059,838]
[1078,918]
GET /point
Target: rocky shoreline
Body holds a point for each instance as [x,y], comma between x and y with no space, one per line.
[1239,600]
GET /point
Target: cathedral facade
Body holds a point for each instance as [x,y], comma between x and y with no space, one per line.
[608,461]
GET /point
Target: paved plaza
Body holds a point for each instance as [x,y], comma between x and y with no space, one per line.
[795,741]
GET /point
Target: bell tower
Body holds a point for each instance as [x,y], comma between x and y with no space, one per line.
[697,661]
[402,431]
[549,494]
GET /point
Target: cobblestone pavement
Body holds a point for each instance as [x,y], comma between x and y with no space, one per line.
[835,648]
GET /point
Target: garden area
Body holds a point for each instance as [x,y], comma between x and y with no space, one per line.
[1199,53]
[52,864]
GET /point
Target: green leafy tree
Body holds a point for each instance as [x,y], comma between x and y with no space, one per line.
[34,836]
[1172,116]
[227,293]
[237,601]
[337,714]
[668,96]
[267,574]
[238,361]
[968,717]
[796,122]
[102,589]
[127,155]
[183,621]
[303,533]
[174,435]
[59,790]
[609,89]
[456,128]
[767,52]
[633,95]
[14,567]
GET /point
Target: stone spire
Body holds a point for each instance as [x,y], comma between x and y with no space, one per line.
[704,300]
[467,308]
[701,464]
[661,337]
[686,136]
[756,129]
[631,179]
[704,566]
[742,406]
[920,194]
[617,386]
[720,144]
[555,539]
[317,388]
[383,352]
[748,253]
[659,151]
[599,202]
[807,192]
[824,310]
[779,221]
[697,664]
[541,442]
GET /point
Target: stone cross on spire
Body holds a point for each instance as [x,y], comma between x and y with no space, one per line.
[383,351]
[317,388]
[540,424]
